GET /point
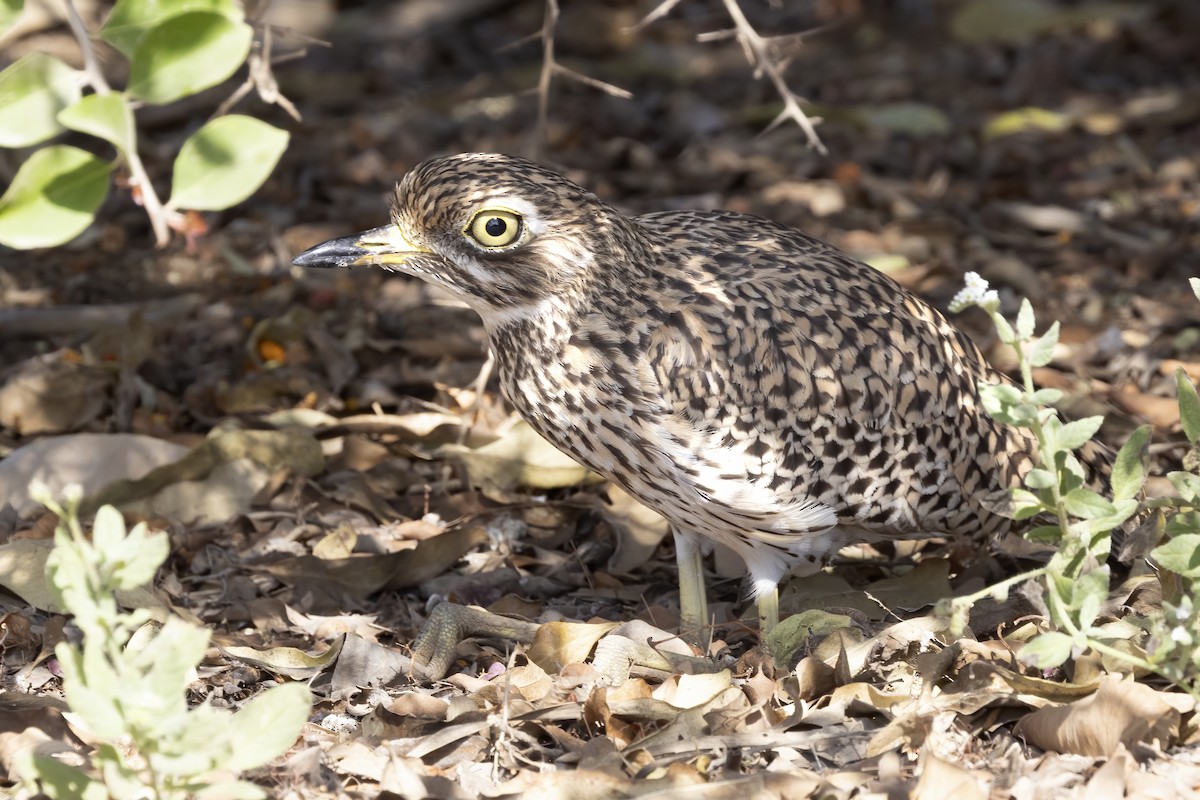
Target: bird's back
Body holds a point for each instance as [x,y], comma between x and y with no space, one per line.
[821,378]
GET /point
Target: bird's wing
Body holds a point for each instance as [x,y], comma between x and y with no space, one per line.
[810,374]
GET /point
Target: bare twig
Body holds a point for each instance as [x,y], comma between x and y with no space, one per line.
[660,11]
[758,53]
[60,320]
[91,67]
[137,170]
[260,76]
[551,67]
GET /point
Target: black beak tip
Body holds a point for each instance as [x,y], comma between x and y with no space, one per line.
[324,256]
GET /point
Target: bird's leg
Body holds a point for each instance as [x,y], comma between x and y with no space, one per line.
[693,604]
[767,598]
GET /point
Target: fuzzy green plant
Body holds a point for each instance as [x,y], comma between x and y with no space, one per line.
[1078,521]
[127,683]
[175,49]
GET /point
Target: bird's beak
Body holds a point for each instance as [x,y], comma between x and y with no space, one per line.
[377,247]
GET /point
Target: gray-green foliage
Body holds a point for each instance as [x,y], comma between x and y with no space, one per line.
[127,683]
[176,48]
[1079,521]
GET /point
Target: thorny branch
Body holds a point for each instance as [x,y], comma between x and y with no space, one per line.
[260,76]
[759,57]
[758,54]
[551,67]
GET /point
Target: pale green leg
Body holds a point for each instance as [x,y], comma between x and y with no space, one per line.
[768,610]
[693,603]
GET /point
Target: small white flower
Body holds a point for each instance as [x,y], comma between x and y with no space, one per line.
[975,292]
[1181,635]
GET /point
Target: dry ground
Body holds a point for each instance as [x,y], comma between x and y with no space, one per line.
[1059,157]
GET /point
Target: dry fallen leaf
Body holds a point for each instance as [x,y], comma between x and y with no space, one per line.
[941,779]
[1121,712]
[519,458]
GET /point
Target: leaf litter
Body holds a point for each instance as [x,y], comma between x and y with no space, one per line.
[331,475]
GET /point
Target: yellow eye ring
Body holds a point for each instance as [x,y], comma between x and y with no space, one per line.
[495,228]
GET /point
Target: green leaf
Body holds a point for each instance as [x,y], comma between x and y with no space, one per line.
[131,19]
[105,116]
[1003,329]
[1025,320]
[231,790]
[222,164]
[61,781]
[121,779]
[108,530]
[1074,434]
[138,558]
[1040,479]
[1187,484]
[1047,397]
[1041,352]
[913,119]
[1183,523]
[186,54]
[1088,593]
[10,12]
[92,688]
[168,662]
[1123,510]
[1012,21]
[1086,504]
[1129,468]
[1189,406]
[53,197]
[1023,120]
[1047,651]
[1180,555]
[32,92]
[1049,534]
[268,725]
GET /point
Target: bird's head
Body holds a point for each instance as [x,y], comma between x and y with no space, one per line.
[501,233]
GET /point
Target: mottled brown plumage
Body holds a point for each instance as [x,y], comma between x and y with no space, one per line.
[755,386]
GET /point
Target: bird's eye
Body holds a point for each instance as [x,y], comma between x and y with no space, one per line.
[495,229]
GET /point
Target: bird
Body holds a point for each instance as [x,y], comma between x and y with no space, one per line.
[755,386]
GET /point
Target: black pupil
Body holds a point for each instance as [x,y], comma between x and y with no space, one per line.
[495,226]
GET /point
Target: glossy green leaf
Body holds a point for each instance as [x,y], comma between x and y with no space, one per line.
[186,54]
[10,12]
[105,116]
[32,92]
[53,197]
[1189,406]
[131,19]
[224,162]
